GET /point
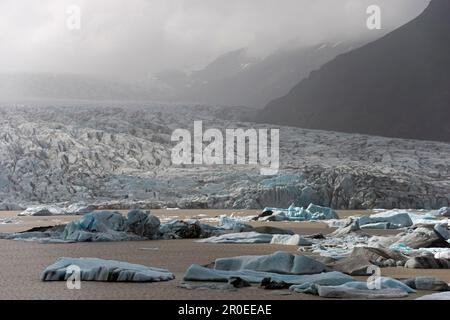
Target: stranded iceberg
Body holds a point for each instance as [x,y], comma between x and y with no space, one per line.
[293,213]
[113,226]
[306,275]
[93,269]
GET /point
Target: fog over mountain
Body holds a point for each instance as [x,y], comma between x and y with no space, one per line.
[237,78]
[136,39]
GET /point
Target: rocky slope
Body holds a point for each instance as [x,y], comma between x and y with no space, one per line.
[120,158]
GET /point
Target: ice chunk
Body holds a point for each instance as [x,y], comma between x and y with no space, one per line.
[346,291]
[423,237]
[290,240]
[338,223]
[181,229]
[142,224]
[442,230]
[357,288]
[394,218]
[199,273]
[278,262]
[362,259]
[112,226]
[436,296]
[376,226]
[42,210]
[427,262]
[79,208]
[93,269]
[294,213]
[327,212]
[309,282]
[444,254]
[242,237]
[443,212]
[50,210]
[232,223]
[427,283]
[381,283]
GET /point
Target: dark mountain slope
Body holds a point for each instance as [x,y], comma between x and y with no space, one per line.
[396,86]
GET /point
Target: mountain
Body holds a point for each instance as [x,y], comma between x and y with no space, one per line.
[237,78]
[398,85]
[22,86]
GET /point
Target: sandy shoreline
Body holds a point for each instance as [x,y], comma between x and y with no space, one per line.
[21,263]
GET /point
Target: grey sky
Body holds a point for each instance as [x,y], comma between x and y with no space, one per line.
[132,38]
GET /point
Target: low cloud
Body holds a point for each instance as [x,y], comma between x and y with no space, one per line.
[136,38]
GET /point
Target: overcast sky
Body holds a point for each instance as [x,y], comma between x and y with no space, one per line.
[133,38]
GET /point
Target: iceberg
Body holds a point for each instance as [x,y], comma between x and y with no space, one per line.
[278,262]
[93,269]
[199,273]
[421,237]
[233,223]
[427,283]
[327,212]
[99,226]
[79,208]
[181,229]
[54,210]
[309,283]
[290,240]
[436,296]
[427,262]
[293,213]
[443,212]
[442,230]
[346,291]
[113,226]
[242,237]
[390,219]
[42,210]
[381,287]
[362,259]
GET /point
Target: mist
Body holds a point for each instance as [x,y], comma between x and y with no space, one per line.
[137,38]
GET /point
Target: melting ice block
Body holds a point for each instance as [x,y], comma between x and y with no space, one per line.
[93,269]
